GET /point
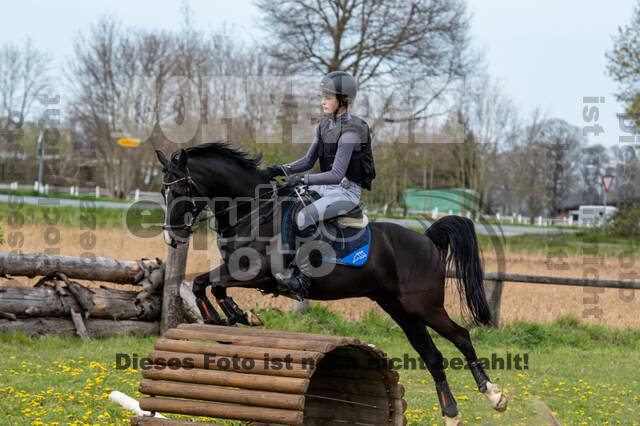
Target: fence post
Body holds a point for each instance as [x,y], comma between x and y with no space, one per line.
[300,307]
[173,275]
[493,292]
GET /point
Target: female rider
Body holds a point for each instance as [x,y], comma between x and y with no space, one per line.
[342,145]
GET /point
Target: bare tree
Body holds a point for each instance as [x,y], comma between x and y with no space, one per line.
[522,163]
[594,163]
[419,47]
[490,122]
[369,38]
[562,144]
[540,167]
[108,65]
[24,77]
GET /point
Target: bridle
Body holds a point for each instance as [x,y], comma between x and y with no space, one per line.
[194,209]
[188,226]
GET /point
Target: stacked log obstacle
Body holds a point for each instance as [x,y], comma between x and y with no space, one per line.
[57,304]
[269,377]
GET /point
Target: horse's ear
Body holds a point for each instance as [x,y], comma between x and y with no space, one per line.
[182,159]
[161,158]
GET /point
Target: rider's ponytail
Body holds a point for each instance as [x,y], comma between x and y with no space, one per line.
[343,101]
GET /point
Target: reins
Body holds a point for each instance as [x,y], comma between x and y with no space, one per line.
[189,226]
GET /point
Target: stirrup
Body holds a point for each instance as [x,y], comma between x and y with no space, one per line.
[297,284]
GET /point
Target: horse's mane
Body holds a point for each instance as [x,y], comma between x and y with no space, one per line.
[223,149]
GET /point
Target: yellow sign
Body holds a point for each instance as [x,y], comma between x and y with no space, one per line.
[130,142]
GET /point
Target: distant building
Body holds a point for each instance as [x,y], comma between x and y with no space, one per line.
[454,200]
[594,215]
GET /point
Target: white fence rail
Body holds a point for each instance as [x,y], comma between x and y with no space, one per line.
[96,191]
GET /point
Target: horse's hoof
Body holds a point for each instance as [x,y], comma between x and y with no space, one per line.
[253,319]
[453,421]
[502,404]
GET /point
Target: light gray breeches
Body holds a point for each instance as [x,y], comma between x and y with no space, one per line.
[335,200]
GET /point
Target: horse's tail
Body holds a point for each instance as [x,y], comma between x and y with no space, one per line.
[458,234]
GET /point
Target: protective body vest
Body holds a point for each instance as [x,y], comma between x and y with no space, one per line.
[361,168]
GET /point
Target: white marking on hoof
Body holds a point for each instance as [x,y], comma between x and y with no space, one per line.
[497,400]
[453,421]
[253,318]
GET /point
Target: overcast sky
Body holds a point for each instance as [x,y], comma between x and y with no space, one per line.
[549,54]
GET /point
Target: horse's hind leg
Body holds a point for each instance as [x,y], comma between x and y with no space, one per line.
[415,330]
[439,320]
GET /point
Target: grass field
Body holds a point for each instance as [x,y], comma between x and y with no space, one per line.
[584,374]
[17,213]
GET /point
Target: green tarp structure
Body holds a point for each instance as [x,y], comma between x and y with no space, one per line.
[456,200]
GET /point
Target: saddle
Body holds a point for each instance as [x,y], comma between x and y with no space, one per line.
[348,233]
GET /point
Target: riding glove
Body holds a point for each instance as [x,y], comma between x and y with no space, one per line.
[274,170]
[293,180]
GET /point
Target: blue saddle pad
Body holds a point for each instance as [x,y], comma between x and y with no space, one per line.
[351,247]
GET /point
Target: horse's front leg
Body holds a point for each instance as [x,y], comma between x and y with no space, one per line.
[250,277]
[230,308]
[209,313]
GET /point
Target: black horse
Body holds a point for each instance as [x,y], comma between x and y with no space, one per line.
[405,272]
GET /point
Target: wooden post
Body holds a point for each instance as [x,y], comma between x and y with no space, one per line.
[493,292]
[301,307]
[173,276]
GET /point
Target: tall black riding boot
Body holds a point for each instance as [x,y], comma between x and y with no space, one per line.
[298,283]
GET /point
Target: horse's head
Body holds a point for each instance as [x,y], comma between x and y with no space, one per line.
[215,174]
[178,193]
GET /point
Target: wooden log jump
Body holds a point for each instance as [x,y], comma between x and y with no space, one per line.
[80,268]
[269,376]
[102,302]
[56,304]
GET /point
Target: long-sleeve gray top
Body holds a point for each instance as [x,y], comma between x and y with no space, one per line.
[347,143]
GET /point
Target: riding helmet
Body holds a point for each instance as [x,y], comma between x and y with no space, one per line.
[339,83]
